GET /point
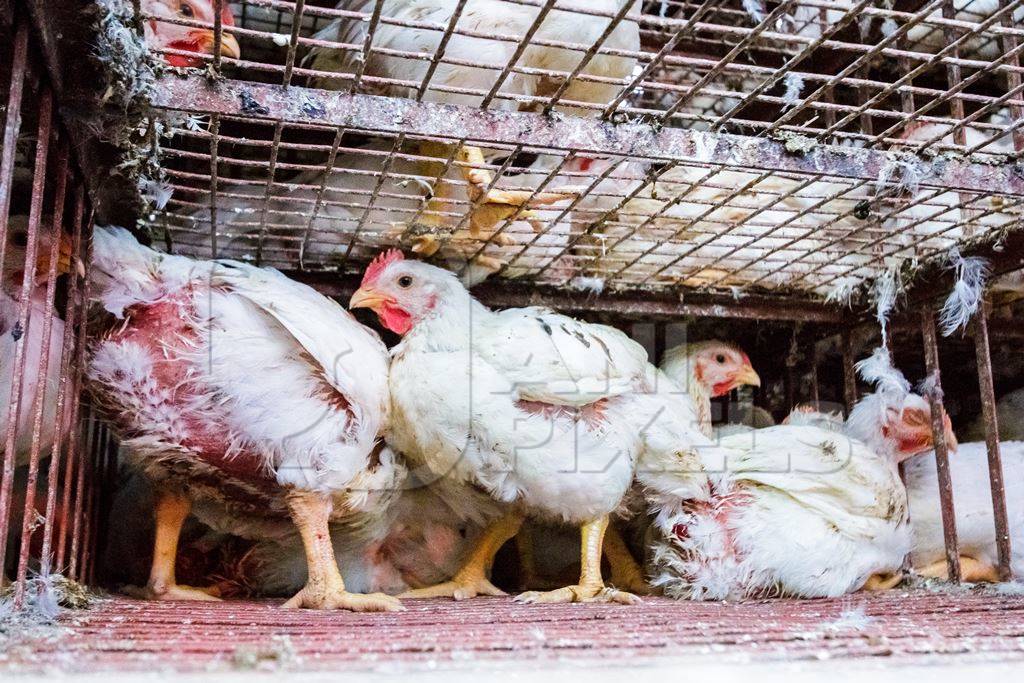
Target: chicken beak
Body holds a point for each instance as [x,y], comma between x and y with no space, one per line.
[366,298]
[228,45]
[747,375]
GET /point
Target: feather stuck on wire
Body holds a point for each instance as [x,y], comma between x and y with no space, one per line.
[967,294]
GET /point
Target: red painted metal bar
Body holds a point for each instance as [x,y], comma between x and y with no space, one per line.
[12,127]
[995,463]
[28,283]
[28,520]
[64,407]
[931,355]
[452,122]
[74,472]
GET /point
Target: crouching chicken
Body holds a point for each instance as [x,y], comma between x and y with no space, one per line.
[247,399]
[806,510]
[523,411]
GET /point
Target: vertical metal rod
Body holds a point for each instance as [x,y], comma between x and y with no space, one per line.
[76,456]
[293,41]
[659,342]
[88,439]
[12,127]
[28,520]
[1013,77]
[995,463]
[65,403]
[815,392]
[218,34]
[931,356]
[28,284]
[849,372]
[214,162]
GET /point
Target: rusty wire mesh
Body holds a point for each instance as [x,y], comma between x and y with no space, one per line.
[54,453]
[852,82]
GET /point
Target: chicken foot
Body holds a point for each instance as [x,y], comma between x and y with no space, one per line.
[171,511]
[625,571]
[490,206]
[971,571]
[591,587]
[882,582]
[471,579]
[324,587]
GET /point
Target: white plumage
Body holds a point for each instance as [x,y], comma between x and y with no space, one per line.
[972,499]
[253,393]
[537,412]
[480,38]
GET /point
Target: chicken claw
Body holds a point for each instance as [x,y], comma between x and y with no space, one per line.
[578,593]
[471,580]
[324,587]
[458,588]
[882,582]
[591,587]
[335,598]
[171,510]
[497,205]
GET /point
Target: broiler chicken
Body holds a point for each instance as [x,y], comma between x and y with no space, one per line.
[706,370]
[522,411]
[479,37]
[972,501]
[797,510]
[397,216]
[160,34]
[248,399]
[34,338]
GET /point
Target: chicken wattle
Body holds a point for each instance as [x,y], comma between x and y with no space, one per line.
[523,411]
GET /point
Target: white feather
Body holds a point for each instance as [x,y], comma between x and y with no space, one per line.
[967,294]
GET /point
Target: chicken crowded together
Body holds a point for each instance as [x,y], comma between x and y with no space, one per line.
[358,475]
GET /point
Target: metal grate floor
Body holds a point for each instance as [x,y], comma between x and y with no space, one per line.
[905,628]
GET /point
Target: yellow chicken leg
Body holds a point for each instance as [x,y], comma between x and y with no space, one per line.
[591,587]
[625,571]
[171,511]
[499,205]
[324,587]
[882,582]
[971,571]
[471,580]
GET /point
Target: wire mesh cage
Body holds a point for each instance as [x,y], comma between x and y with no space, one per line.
[55,454]
[767,162]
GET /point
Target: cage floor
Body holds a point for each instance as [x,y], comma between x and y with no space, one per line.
[899,627]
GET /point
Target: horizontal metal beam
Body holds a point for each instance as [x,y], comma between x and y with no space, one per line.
[590,136]
[639,305]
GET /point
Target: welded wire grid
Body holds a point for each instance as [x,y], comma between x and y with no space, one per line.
[55,456]
[932,77]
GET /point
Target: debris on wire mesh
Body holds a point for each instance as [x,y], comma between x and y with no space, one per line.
[794,83]
[586,283]
[124,54]
[855,619]
[967,294]
[46,595]
[884,292]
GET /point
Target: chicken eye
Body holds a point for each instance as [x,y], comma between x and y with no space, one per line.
[186,10]
[405,281]
[20,239]
[720,359]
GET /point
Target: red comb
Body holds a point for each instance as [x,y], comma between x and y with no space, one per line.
[377,265]
[226,18]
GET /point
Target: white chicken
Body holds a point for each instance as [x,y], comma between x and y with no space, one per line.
[35,345]
[246,398]
[972,500]
[706,370]
[523,410]
[688,228]
[797,510]
[928,36]
[396,215]
[486,33]
[160,34]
